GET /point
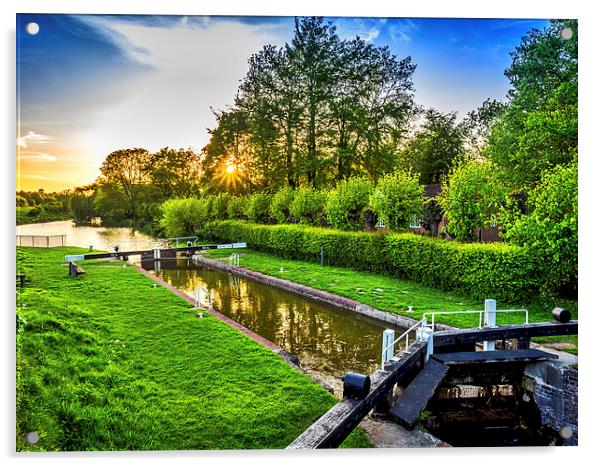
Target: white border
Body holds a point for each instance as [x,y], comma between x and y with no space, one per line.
[590,200]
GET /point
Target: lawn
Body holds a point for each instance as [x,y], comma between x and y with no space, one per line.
[106,361]
[396,295]
[23,216]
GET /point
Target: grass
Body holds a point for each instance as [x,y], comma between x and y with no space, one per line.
[105,361]
[23,217]
[396,295]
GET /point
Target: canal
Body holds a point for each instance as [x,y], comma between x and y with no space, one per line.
[327,340]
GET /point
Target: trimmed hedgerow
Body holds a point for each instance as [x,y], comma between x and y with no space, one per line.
[493,270]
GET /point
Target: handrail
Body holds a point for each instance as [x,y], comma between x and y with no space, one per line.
[481,312]
[406,334]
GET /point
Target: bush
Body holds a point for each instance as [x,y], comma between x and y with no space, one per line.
[550,230]
[21,201]
[347,203]
[308,206]
[237,208]
[496,270]
[280,207]
[471,198]
[258,208]
[219,206]
[182,216]
[398,199]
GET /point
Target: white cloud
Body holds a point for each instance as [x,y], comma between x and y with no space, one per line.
[38,157]
[33,138]
[192,65]
[367,29]
[400,30]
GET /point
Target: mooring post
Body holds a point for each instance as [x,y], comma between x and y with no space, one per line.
[157,254]
[321,255]
[489,321]
[387,352]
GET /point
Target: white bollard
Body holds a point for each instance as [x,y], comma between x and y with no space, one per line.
[157,254]
[387,351]
[489,321]
[425,334]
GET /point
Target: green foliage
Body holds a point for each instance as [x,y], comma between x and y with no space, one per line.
[436,146]
[237,208]
[550,229]
[495,270]
[108,362]
[308,206]
[539,128]
[346,204]
[219,206]
[83,209]
[471,198]
[397,199]
[280,207]
[22,202]
[182,216]
[258,208]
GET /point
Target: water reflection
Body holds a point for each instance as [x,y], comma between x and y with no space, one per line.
[327,340]
[100,238]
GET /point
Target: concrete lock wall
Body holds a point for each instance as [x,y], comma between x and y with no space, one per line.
[555,389]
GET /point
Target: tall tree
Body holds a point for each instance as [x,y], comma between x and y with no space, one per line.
[175,172]
[126,171]
[539,129]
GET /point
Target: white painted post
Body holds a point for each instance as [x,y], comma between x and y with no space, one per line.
[387,351]
[425,334]
[156,254]
[489,321]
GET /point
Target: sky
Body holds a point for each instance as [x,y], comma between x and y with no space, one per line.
[91,84]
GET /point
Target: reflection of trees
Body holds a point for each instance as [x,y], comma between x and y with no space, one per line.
[325,338]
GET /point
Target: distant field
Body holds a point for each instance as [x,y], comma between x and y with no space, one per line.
[109,362]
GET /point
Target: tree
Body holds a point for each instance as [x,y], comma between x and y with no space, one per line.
[22,202]
[125,172]
[175,173]
[82,207]
[281,203]
[181,216]
[478,123]
[308,206]
[539,128]
[346,204]
[550,229]
[397,199]
[472,197]
[436,146]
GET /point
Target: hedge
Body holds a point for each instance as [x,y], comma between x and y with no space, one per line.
[495,270]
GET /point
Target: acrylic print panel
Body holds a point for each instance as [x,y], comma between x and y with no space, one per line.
[275,232]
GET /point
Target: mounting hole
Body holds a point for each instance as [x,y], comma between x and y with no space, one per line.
[566,33]
[566,433]
[33,437]
[32,28]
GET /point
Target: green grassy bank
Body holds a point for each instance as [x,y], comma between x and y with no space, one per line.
[106,361]
[396,295]
[24,215]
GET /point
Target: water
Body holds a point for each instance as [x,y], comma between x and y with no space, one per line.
[327,340]
[101,238]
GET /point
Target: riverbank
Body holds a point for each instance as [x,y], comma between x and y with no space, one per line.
[396,295]
[29,215]
[107,361]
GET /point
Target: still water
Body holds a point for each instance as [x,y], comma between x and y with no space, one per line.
[100,238]
[327,340]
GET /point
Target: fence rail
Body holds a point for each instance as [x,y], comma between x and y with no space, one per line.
[41,241]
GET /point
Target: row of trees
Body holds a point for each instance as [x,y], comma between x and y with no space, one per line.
[322,109]
[354,204]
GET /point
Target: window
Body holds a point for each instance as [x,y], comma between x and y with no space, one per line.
[415,222]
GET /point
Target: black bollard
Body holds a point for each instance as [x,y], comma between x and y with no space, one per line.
[561,314]
[356,385]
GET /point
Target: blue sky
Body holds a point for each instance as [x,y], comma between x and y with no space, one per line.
[88,85]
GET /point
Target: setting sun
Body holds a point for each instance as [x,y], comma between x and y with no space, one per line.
[230,168]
